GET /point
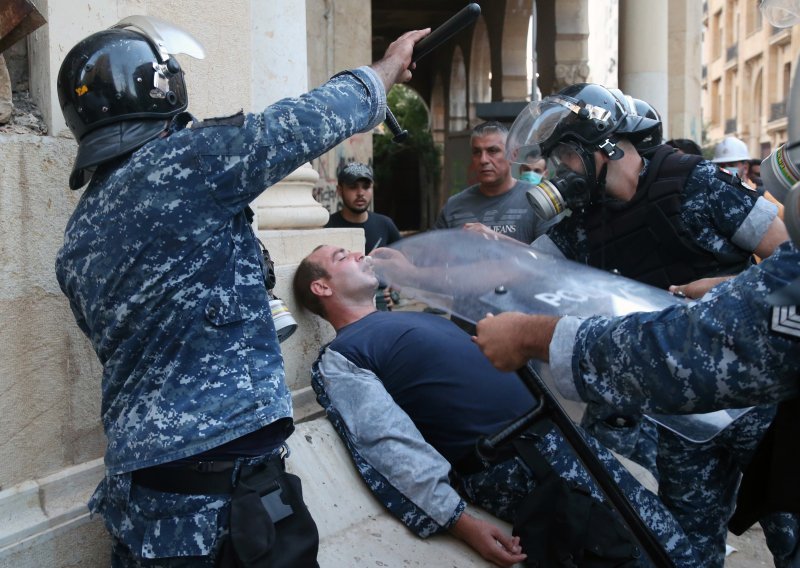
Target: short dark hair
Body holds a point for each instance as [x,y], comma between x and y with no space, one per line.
[685,145]
[489,127]
[306,273]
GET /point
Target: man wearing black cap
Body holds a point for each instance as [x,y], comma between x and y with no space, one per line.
[354,188]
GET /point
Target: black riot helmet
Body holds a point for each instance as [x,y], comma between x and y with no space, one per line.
[584,113]
[118,87]
[568,128]
[644,126]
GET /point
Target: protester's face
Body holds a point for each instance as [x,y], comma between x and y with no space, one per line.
[755,169]
[347,271]
[489,159]
[357,196]
[741,168]
[537,165]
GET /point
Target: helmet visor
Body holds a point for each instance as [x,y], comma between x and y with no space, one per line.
[529,159]
[538,123]
[168,38]
[533,126]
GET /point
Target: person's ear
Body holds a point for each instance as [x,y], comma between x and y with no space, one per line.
[320,288]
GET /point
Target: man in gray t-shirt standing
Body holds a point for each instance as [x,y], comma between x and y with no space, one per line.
[498,201]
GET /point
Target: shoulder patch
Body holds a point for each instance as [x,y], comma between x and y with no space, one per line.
[232,120]
[786,321]
[732,178]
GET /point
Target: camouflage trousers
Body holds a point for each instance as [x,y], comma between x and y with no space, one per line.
[699,481]
[502,486]
[158,529]
[634,437]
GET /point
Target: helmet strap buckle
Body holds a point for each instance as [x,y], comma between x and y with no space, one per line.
[160,81]
[611,149]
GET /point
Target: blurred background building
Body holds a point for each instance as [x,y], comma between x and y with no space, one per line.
[747,71]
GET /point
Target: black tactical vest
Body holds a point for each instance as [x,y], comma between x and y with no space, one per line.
[645,239]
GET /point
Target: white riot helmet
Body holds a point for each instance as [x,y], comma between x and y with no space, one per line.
[730,150]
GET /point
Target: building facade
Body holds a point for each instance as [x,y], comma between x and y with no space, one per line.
[747,74]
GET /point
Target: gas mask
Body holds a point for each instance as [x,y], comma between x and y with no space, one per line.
[285,324]
[572,186]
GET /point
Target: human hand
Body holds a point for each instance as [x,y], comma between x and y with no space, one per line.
[488,540]
[396,66]
[387,298]
[488,232]
[391,266]
[510,339]
[698,288]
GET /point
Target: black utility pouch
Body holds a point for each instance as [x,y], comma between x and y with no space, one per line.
[270,524]
[560,524]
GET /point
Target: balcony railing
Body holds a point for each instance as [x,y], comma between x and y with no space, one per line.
[777,110]
[732,52]
[730,125]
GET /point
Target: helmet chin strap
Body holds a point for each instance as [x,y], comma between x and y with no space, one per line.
[610,147]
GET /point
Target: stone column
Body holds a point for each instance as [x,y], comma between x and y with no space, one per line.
[571,49]
[280,69]
[643,39]
[685,69]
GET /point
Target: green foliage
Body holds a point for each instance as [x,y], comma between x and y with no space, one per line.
[412,114]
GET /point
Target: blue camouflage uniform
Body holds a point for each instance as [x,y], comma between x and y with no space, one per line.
[697,483]
[164,275]
[408,474]
[728,350]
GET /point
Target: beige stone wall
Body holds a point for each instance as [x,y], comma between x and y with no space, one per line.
[49,375]
[340,37]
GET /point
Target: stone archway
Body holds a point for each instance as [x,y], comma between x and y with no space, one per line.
[516,21]
[458,92]
[480,70]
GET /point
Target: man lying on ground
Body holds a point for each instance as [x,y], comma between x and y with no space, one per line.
[410,395]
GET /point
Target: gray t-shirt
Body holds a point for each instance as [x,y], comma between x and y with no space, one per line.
[509,213]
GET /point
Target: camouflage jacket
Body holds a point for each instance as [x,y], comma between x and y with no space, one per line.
[164,275]
[730,349]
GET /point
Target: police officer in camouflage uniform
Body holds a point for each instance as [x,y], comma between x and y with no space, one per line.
[736,347]
[164,275]
[661,219]
[410,394]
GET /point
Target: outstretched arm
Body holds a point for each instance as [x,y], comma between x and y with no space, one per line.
[510,339]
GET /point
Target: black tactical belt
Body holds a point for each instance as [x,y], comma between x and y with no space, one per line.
[200,478]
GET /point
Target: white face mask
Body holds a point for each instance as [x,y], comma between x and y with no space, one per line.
[532,177]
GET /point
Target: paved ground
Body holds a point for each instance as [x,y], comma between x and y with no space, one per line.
[750,548]
[751,551]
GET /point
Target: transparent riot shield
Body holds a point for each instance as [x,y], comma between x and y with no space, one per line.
[470,274]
